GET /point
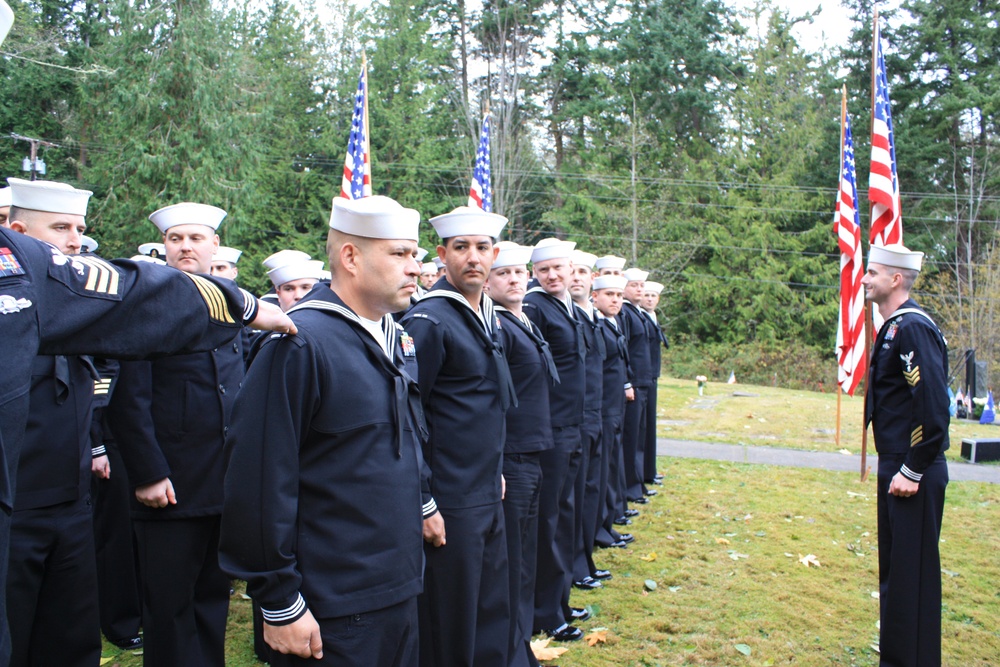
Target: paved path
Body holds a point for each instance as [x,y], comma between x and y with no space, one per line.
[964,472]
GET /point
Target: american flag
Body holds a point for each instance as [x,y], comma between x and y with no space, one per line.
[357,182]
[481,192]
[883,184]
[851,360]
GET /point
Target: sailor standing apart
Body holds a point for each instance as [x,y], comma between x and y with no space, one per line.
[907,406]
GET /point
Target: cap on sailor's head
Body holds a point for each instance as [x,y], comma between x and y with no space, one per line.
[154,250]
[651,286]
[610,262]
[439,263]
[421,253]
[48,196]
[609,281]
[227,254]
[635,275]
[512,254]
[88,244]
[312,268]
[581,258]
[147,258]
[187,213]
[552,248]
[6,20]
[897,255]
[375,217]
[468,221]
[4,197]
[429,267]
[283,257]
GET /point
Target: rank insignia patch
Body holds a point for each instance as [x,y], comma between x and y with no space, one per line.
[9,266]
[912,376]
[917,436]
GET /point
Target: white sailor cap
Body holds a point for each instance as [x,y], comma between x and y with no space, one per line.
[651,286]
[48,196]
[609,282]
[148,250]
[283,257]
[897,255]
[375,217]
[88,244]
[610,262]
[421,253]
[4,195]
[6,20]
[438,262]
[512,254]
[581,258]
[147,258]
[312,268]
[187,213]
[635,275]
[326,275]
[468,221]
[552,248]
[227,254]
[429,267]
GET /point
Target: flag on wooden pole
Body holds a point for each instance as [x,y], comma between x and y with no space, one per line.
[883,182]
[851,358]
[357,181]
[481,192]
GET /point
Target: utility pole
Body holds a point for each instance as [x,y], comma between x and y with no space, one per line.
[32,164]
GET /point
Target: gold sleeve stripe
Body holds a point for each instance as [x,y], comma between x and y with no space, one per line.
[912,377]
[917,436]
[214,299]
[102,277]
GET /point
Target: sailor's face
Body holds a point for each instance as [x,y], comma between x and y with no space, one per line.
[62,230]
[191,247]
[508,284]
[224,269]
[554,275]
[468,260]
[389,273]
[608,301]
[580,282]
[291,292]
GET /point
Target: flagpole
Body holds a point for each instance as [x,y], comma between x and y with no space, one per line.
[869,322]
[843,120]
[368,127]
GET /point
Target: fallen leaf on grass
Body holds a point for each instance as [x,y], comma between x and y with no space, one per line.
[674,589]
[650,558]
[808,560]
[844,451]
[597,637]
[543,652]
[743,648]
[721,540]
[105,661]
[736,556]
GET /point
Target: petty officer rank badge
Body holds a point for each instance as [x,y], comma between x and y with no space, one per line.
[9,266]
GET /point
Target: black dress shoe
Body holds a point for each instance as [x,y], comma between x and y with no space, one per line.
[658,477]
[657,482]
[639,501]
[614,545]
[627,538]
[622,521]
[602,575]
[129,643]
[579,614]
[631,512]
[650,492]
[587,584]
[565,633]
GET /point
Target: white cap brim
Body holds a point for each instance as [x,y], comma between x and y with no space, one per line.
[896,255]
[610,262]
[375,217]
[296,271]
[48,196]
[512,254]
[283,257]
[227,254]
[635,275]
[552,248]
[187,213]
[468,221]
[609,282]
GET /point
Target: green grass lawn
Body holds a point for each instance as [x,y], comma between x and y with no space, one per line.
[776,417]
[722,543]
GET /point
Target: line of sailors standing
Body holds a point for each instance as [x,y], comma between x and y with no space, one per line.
[419,476]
